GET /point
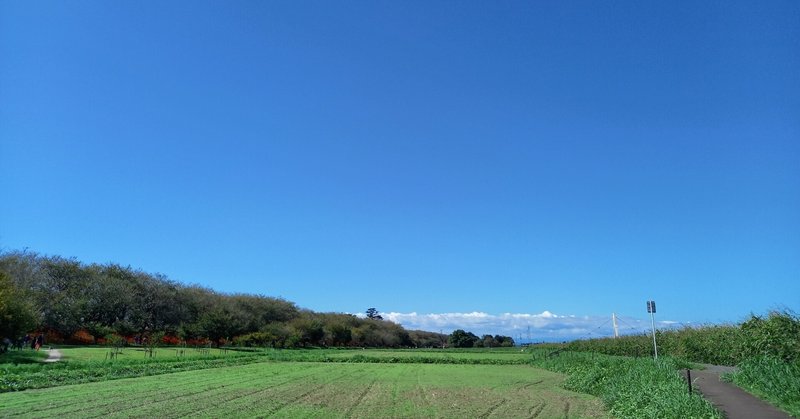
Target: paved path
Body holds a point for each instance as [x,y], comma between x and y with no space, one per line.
[733,401]
[53,355]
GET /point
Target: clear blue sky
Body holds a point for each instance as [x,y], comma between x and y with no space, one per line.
[429,157]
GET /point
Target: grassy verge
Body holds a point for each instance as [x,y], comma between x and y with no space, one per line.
[771,379]
[631,387]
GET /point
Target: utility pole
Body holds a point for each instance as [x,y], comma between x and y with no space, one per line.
[651,308]
[614,321]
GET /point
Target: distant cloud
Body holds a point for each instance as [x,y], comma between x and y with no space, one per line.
[545,326]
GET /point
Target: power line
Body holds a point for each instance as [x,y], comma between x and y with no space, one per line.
[596,328]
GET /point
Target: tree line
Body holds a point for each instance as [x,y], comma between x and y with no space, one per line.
[73,301]
[463,339]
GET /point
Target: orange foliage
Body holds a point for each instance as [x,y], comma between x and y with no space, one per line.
[197,342]
[82,336]
[170,340]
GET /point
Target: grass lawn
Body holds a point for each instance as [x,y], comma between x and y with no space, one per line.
[329,390]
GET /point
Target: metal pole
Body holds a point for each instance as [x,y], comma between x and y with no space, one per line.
[653,323]
[689,379]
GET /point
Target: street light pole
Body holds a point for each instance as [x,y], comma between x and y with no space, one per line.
[651,308]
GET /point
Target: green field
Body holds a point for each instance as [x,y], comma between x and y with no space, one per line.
[498,355]
[83,353]
[302,389]
[508,382]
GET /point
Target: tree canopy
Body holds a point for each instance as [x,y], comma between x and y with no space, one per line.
[68,299]
[16,313]
[372,314]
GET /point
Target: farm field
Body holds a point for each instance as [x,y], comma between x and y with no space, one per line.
[499,355]
[302,389]
[99,353]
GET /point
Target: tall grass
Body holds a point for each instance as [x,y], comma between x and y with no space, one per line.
[772,379]
[630,387]
[777,335]
[765,348]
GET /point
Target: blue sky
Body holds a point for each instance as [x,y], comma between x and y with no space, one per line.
[425,158]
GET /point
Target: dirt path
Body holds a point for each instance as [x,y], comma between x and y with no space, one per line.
[733,401]
[53,355]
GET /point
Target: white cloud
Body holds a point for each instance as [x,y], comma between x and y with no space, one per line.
[545,326]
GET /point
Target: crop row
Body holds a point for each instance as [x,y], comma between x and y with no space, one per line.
[15,377]
[27,376]
[317,390]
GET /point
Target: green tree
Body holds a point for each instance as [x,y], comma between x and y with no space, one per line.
[462,339]
[278,334]
[372,314]
[423,339]
[98,330]
[16,312]
[487,341]
[153,341]
[217,325]
[308,330]
[504,341]
[69,295]
[338,334]
[63,298]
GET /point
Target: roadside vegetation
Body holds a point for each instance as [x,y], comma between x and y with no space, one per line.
[631,387]
[766,350]
[771,379]
[777,334]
